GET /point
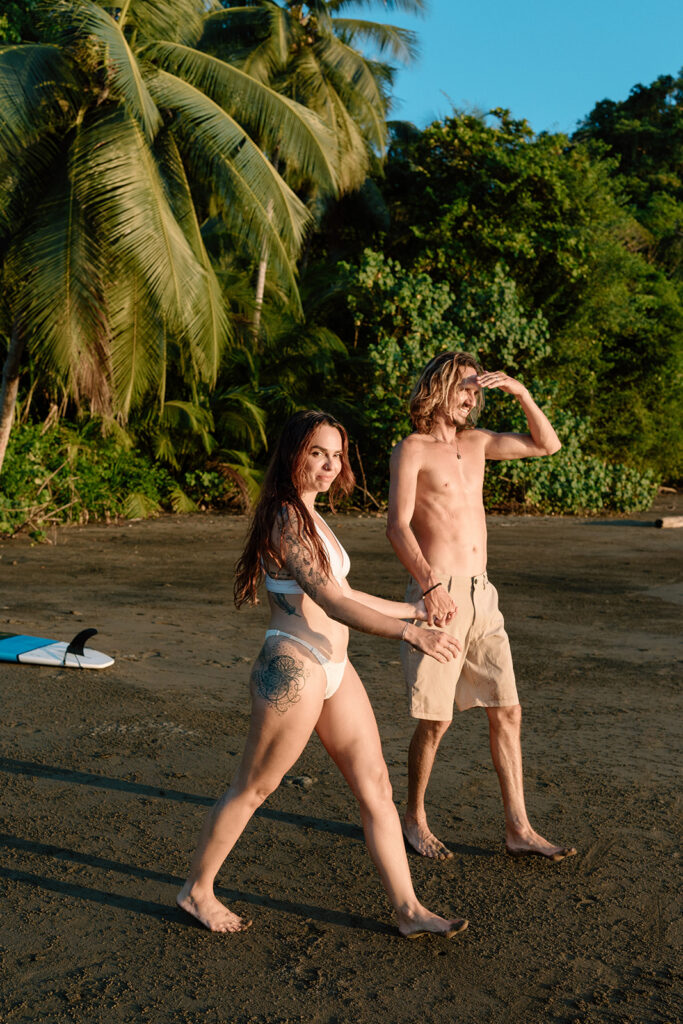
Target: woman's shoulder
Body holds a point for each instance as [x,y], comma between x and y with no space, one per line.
[289,528]
[289,517]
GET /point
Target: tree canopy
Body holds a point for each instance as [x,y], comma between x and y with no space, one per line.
[207,221]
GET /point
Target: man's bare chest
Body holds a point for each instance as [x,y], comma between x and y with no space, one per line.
[449,473]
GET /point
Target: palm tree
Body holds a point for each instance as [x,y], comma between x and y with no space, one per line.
[117,140]
[307,51]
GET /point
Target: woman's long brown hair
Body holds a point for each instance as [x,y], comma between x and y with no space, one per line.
[280,492]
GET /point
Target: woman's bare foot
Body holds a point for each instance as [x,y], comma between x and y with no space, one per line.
[424,842]
[209,911]
[415,924]
[531,844]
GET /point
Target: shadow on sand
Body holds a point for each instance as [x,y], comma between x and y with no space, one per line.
[46,771]
[160,910]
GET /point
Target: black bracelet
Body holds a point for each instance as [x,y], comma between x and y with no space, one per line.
[429,589]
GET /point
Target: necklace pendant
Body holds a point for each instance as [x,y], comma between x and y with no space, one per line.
[459,455]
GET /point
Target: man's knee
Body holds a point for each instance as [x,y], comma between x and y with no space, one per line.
[508,719]
[429,733]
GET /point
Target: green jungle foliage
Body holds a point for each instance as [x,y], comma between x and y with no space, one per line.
[470,199]
[273,243]
[70,475]
[17,21]
[62,475]
[403,321]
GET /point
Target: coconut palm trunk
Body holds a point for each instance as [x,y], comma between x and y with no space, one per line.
[261,284]
[10,388]
[263,262]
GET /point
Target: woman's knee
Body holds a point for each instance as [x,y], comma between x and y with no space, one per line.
[254,791]
[374,789]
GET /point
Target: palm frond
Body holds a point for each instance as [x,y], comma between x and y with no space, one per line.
[350,71]
[188,419]
[228,14]
[139,505]
[254,196]
[303,141]
[180,415]
[56,268]
[272,55]
[241,471]
[138,341]
[213,326]
[24,177]
[407,6]
[401,43]
[244,36]
[118,183]
[124,73]
[34,82]
[238,415]
[352,156]
[181,502]
[182,20]
[367,114]
[165,449]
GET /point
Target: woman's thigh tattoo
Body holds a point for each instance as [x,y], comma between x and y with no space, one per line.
[279,677]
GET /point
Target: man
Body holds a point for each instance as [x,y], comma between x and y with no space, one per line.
[437,527]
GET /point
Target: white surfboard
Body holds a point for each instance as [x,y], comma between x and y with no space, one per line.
[36,650]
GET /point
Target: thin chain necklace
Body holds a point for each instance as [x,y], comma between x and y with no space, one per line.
[457,446]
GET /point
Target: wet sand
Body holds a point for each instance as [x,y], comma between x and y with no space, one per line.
[106,777]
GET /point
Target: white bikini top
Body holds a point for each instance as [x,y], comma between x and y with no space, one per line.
[340,563]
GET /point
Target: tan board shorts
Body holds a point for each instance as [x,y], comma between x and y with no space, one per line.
[482,674]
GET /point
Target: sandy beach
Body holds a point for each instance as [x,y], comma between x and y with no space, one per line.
[106,777]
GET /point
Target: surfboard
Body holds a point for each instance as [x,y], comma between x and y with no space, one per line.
[36,650]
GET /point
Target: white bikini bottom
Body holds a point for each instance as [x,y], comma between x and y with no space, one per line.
[334,670]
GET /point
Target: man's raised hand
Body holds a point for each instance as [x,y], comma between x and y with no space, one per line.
[499,379]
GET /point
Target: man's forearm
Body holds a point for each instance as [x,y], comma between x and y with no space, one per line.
[409,554]
[540,427]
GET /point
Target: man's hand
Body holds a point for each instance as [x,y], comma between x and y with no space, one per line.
[440,606]
[498,379]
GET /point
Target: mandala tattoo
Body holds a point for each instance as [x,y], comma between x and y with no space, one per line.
[279,678]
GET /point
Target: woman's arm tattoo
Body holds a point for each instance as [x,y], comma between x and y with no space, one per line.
[302,567]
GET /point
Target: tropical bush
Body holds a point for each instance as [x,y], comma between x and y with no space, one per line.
[571,481]
[66,475]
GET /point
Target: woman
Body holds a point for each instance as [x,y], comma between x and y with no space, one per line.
[302,679]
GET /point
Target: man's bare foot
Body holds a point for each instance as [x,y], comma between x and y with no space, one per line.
[534,845]
[425,842]
[422,922]
[210,911]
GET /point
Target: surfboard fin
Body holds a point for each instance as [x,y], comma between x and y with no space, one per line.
[78,643]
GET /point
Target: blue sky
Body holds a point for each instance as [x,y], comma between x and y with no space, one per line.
[546,61]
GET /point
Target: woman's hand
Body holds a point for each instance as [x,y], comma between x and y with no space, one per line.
[421,611]
[435,642]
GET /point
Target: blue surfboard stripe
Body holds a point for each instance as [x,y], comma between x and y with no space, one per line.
[12,646]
